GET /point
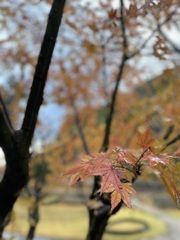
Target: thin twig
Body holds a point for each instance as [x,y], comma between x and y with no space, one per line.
[109,118]
[79,127]
[175,139]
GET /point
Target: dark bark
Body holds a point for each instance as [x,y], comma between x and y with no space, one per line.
[15,144]
[36,95]
[34,216]
[98,222]
[31,233]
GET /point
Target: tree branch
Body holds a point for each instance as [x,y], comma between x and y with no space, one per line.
[79,127]
[6,129]
[176,48]
[36,95]
[175,139]
[109,118]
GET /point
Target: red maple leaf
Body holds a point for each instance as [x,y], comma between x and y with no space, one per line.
[82,169]
[103,164]
[155,159]
[144,140]
[123,155]
[121,193]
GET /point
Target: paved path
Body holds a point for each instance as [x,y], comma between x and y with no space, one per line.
[173,224]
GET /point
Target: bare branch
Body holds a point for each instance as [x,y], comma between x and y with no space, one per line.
[79,127]
[175,139]
[159,25]
[109,118]
[123,28]
[168,40]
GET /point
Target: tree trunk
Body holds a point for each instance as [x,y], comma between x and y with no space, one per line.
[98,220]
[15,144]
[33,219]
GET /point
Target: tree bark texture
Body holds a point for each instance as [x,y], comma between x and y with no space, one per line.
[15,143]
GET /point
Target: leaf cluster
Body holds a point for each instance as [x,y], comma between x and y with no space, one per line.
[115,165]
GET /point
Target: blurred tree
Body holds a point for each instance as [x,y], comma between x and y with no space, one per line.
[38,180]
[16,143]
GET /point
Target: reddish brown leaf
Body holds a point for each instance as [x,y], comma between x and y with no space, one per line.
[144,140]
[126,156]
[123,193]
[81,171]
[112,13]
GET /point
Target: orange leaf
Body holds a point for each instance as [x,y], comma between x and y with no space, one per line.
[127,190]
[115,199]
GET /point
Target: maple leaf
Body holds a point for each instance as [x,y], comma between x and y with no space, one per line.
[102,164]
[155,159]
[111,183]
[112,13]
[123,155]
[116,198]
[171,188]
[81,171]
[111,177]
[127,190]
[95,165]
[132,11]
[122,193]
[144,140]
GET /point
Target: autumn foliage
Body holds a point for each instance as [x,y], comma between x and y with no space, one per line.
[119,167]
[100,51]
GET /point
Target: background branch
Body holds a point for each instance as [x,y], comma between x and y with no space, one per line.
[109,118]
[79,127]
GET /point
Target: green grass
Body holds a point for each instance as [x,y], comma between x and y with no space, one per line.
[71,221]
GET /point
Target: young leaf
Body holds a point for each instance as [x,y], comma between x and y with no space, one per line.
[123,155]
[81,171]
[144,140]
[155,159]
[110,177]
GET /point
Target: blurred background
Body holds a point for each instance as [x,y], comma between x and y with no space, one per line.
[84,71]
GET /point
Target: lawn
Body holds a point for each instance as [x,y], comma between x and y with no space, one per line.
[65,221]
